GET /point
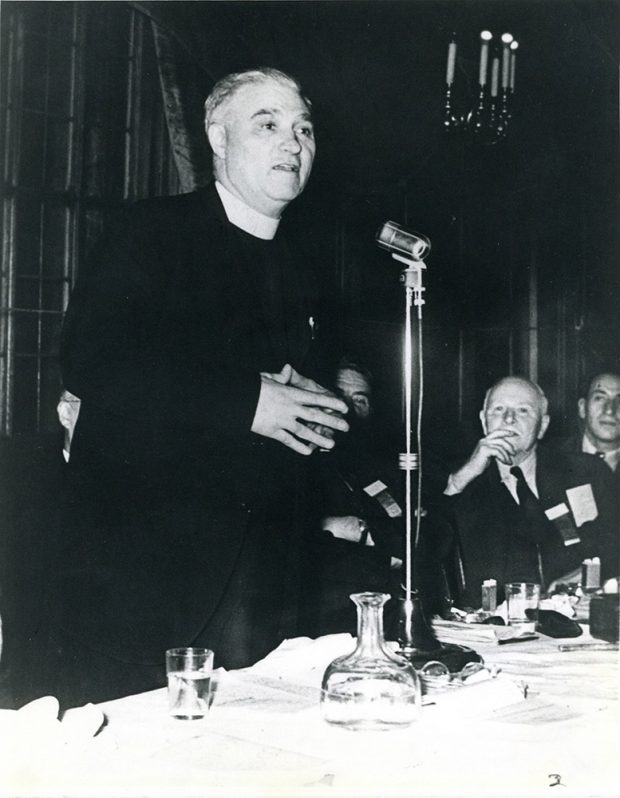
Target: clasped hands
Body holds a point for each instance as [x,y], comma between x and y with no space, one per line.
[298,412]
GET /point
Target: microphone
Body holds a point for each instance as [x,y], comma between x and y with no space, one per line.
[401,242]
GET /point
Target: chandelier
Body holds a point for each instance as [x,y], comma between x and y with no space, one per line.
[489,119]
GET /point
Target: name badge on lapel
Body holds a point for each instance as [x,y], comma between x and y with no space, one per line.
[582,503]
[562,520]
[377,490]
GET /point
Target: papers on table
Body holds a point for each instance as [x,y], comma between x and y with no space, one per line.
[468,634]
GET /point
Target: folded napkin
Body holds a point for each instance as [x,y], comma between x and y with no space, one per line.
[561,603]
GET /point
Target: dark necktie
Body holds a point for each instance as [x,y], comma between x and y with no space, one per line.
[530,506]
[537,524]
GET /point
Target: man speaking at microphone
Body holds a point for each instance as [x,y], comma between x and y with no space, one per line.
[195,343]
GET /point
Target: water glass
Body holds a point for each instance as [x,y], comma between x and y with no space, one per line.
[189,682]
[522,599]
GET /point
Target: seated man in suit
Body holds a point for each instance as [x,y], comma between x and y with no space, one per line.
[358,488]
[520,512]
[599,413]
[361,488]
[348,520]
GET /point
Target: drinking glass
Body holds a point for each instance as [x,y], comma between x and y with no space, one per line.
[189,682]
[522,599]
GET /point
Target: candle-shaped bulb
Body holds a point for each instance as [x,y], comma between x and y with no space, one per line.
[494,76]
[514,44]
[451,62]
[513,64]
[506,39]
[485,38]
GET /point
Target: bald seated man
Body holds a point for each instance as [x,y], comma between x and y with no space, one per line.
[520,512]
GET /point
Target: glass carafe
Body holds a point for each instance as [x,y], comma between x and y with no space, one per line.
[371,688]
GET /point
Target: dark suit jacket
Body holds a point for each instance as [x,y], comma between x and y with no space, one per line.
[572,443]
[336,568]
[164,340]
[342,567]
[490,540]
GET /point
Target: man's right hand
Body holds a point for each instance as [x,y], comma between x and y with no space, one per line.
[347,527]
[496,445]
[295,415]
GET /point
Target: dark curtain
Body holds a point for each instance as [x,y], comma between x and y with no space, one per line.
[183,103]
[185,84]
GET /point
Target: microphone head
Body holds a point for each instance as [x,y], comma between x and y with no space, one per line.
[395,239]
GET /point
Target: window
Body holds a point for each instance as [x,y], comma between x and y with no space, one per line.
[83,132]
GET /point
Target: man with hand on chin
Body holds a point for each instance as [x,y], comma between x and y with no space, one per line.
[197,343]
[514,418]
[519,512]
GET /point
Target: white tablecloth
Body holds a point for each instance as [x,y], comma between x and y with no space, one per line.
[264,736]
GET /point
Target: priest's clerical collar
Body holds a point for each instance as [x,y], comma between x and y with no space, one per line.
[249,220]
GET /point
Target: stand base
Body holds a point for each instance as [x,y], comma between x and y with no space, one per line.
[452,655]
[419,644]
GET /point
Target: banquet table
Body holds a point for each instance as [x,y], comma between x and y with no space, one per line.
[546,724]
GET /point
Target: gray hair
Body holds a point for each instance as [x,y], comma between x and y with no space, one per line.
[227,86]
[544,402]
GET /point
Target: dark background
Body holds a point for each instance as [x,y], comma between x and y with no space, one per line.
[523,274]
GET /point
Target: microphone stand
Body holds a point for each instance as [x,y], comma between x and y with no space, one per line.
[415,633]
[416,637]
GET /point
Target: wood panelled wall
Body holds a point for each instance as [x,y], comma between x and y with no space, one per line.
[522,278]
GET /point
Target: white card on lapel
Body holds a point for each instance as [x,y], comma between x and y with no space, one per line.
[582,503]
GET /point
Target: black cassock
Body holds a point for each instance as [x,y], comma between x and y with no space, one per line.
[181,525]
